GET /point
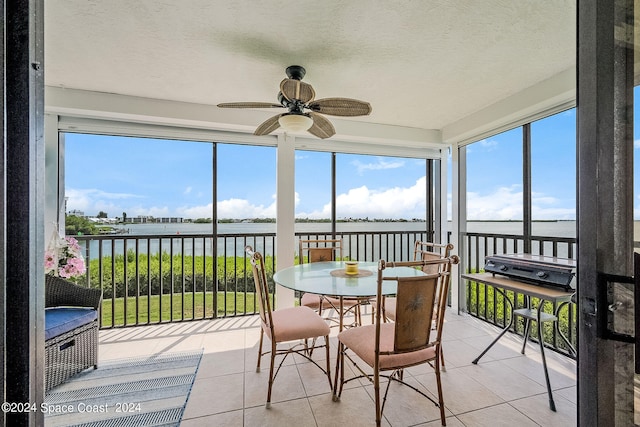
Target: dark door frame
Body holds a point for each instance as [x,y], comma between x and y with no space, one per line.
[605,209]
[22,227]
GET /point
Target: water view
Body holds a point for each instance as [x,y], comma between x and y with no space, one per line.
[191,238]
[540,228]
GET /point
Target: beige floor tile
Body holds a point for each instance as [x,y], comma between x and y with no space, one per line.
[496,416]
[406,407]
[287,386]
[215,395]
[226,419]
[569,393]
[505,388]
[458,353]
[461,393]
[503,381]
[461,329]
[451,422]
[289,413]
[537,408]
[507,347]
[314,380]
[224,340]
[221,363]
[531,366]
[354,409]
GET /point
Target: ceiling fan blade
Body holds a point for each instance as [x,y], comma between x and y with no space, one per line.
[295,89]
[249,105]
[268,126]
[322,128]
[340,107]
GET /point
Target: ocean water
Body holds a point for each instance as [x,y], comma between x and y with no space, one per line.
[542,228]
[231,246]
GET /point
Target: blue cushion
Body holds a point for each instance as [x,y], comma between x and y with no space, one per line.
[60,320]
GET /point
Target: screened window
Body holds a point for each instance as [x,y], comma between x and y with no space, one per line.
[494,182]
[553,175]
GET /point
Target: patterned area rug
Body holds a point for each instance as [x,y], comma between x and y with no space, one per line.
[149,391]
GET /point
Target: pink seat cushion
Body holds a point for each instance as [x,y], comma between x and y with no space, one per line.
[296,323]
[390,308]
[362,341]
[313,301]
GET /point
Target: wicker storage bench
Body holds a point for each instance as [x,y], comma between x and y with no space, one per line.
[71,330]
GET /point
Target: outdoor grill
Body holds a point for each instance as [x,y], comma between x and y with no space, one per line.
[535,269]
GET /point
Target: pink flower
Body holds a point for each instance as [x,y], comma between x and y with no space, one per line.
[50,261]
[77,264]
[73,244]
[65,258]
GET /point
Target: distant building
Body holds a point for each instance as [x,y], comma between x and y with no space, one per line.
[140,219]
[76,212]
[169,220]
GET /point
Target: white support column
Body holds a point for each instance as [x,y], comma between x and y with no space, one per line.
[285,213]
[444,215]
[458,224]
[54,179]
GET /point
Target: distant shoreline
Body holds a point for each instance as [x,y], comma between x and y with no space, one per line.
[344,220]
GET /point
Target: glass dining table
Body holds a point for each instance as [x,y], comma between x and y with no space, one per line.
[331,279]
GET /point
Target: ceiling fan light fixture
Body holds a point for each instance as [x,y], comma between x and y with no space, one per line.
[295,122]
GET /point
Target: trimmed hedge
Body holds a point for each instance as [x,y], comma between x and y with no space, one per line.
[233,274]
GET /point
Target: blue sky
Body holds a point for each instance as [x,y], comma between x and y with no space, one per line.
[167,178]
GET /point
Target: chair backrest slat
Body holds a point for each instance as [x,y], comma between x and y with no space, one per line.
[417,297]
[261,285]
[414,311]
[431,251]
[320,250]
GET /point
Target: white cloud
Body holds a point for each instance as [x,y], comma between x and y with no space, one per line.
[188,190]
[154,211]
[195,211]
[381,164]
[505,203]
[363,202]
[91,201]
[484,145]
[489,144]
[241,208]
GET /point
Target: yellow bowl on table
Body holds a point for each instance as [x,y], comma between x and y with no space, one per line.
[351,267]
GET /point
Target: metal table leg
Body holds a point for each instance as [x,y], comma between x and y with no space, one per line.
[504,331]
[552,404]
[527,325]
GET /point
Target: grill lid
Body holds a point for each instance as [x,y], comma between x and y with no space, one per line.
[537,269]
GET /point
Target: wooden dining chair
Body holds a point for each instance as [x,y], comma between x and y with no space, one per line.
[322,251]
[423,251]
[390,347]
[295,325]
[427,251]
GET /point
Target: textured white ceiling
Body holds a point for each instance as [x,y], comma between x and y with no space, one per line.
[422,63]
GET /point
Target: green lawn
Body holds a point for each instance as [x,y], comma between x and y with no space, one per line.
[195,307]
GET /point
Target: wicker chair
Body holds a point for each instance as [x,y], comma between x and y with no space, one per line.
[71,331]
[393,346]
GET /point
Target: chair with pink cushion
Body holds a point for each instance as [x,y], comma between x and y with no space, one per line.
[390,347]
[322,251]
[294,325]
[426,251]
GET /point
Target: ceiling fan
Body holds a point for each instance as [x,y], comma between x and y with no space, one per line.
[305,112]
